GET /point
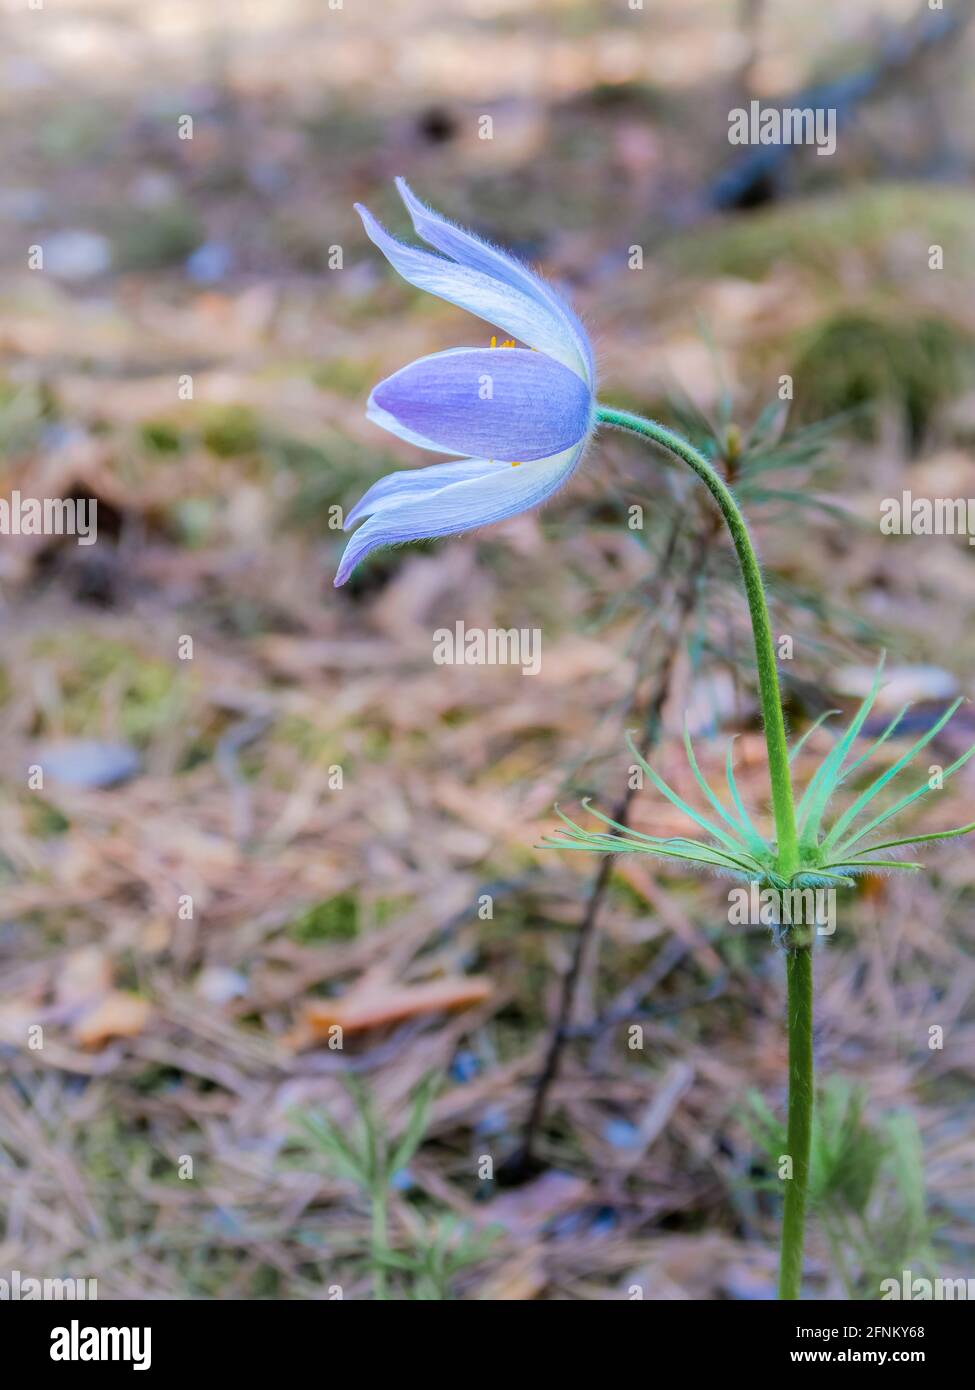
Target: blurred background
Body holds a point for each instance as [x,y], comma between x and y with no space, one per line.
[267,815]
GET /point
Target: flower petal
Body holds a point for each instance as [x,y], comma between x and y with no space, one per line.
[470,250]
[529,318]
[460,506]
[506,403]
[411,482]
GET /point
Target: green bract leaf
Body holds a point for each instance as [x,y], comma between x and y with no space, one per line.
[738,848]
[824,781]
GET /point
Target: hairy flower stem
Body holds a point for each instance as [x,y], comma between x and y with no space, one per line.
[787,849]
[799,972]
[798,956]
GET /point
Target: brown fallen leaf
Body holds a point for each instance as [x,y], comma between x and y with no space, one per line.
[119,1015]
[519,1280]
[373,1005]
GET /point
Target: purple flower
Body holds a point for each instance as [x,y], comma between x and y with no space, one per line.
[520,418]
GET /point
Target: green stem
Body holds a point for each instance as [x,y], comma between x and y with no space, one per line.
[798,957]
[787,847]
[799,973]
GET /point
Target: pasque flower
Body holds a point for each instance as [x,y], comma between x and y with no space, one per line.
[519,418]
